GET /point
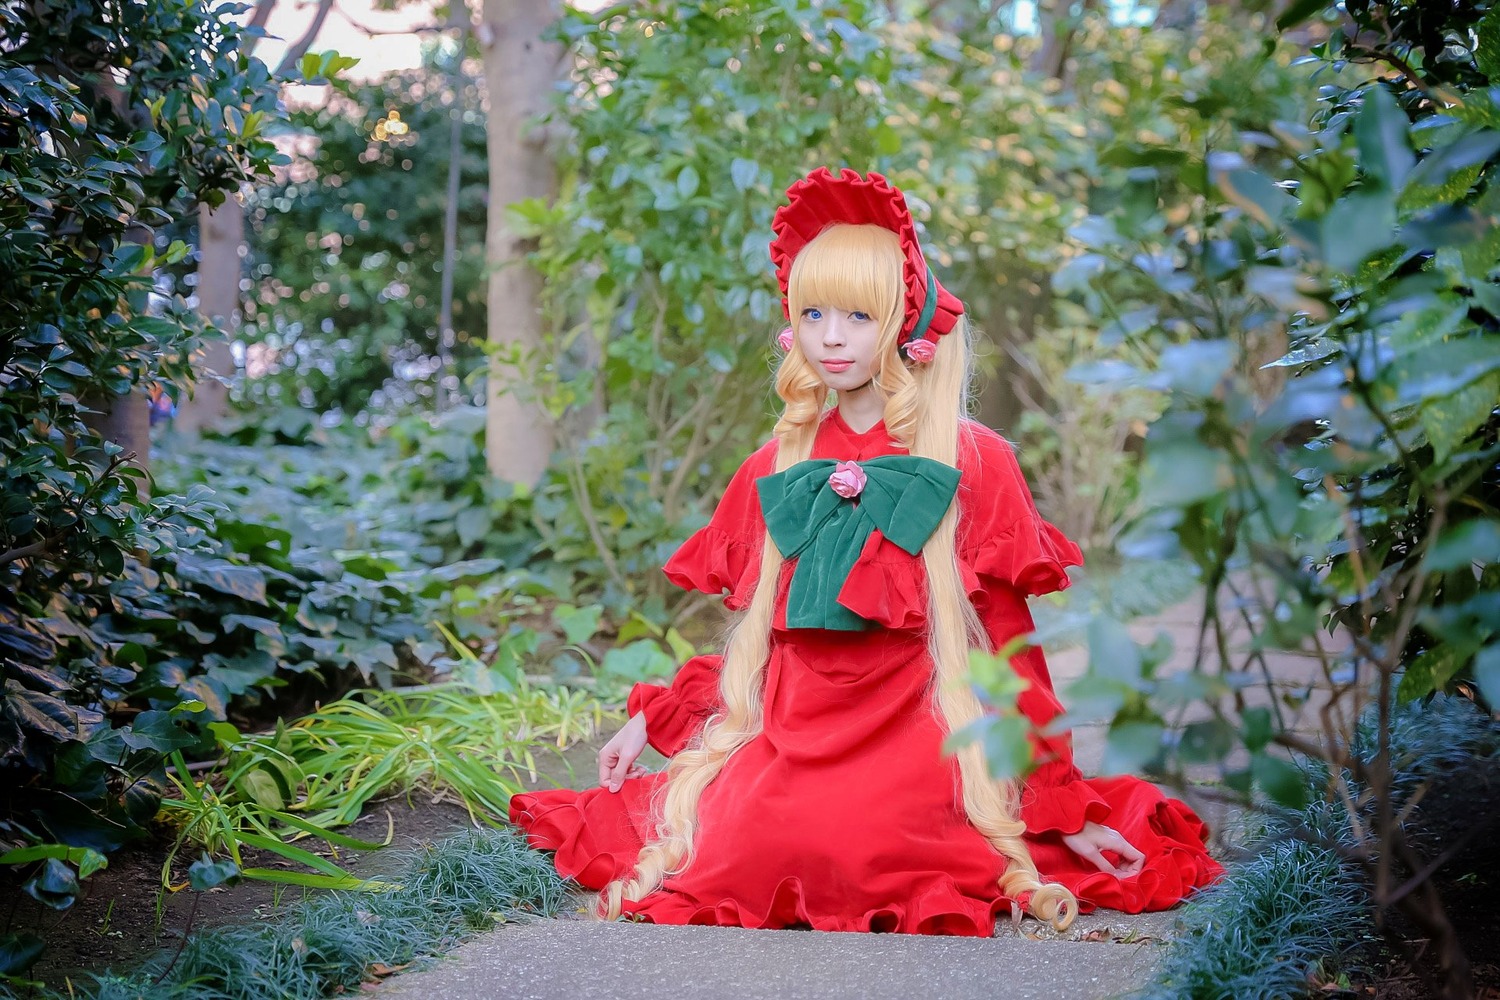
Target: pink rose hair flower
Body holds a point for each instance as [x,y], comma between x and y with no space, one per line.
[784,339]
[921,351]
[848,480]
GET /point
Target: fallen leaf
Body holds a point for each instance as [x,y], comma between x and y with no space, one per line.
[381,969]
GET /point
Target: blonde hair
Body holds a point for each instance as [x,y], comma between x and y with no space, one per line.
[857,267]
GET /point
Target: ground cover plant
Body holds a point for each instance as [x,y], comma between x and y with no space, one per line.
[332,943]
[1293,917]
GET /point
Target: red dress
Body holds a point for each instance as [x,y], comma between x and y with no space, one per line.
[843,813]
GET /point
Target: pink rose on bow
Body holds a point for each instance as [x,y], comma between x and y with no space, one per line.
[921,351]
[847,480]
[784,339]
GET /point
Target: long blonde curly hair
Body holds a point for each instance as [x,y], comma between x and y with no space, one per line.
[856,267]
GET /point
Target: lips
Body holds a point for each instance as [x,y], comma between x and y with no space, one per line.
[837,366]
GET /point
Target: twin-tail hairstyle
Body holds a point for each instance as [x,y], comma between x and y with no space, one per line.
[856,267]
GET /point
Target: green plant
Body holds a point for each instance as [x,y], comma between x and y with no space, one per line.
[1322,328]
[1294,912]
[319,772]
[56,884]
[114,122]
[336,941]
[1263,931]
[343,316]
[203,818]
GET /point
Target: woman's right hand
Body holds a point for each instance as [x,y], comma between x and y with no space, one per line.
[617,759]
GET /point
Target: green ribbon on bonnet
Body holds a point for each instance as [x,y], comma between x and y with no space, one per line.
[904,496]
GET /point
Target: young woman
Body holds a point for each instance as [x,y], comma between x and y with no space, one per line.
[869,546]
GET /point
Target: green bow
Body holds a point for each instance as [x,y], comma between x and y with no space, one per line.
[904,496]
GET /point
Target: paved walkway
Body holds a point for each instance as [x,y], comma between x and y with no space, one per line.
[565,960]
[1104,954]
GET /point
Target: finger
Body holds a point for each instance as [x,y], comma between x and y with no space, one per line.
[1092,854]
[616,776]
[1134,859]
[607,759]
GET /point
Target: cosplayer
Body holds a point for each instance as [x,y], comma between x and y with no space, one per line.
[869,546]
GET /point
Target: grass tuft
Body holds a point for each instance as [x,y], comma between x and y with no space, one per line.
[1265,928]
[1295,911]
[329,944]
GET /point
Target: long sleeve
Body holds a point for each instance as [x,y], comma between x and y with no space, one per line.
[1012,552]
[675,713]
[721,558]
[1054,797]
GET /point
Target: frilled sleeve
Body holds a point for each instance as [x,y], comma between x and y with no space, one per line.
[1007,552]
[722,558]
[676,713]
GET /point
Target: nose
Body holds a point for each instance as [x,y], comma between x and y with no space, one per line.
[833,328]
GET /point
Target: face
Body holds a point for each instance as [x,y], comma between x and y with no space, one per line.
[840,345]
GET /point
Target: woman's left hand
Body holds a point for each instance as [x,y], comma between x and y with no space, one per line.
[1093,840]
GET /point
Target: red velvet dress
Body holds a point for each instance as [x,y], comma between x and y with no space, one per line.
[843,813]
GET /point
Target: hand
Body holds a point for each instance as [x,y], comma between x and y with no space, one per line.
[618,756]
[1090,843]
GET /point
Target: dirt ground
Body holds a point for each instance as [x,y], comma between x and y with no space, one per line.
[1459,817]
[116,923]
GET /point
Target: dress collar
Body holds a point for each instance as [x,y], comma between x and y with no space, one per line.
[837,440]
[837,419]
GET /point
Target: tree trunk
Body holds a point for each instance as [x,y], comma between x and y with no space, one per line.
[220,233]
[519,68]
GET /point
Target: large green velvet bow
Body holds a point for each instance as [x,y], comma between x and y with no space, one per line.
[904,496]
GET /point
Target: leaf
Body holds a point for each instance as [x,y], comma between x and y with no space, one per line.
[42,713]
[1130,747]
[86,859]
[55,886]
[638,661]
[1381,132]
[1429,181]
[1282,781]
[1441,369]
[1195,368]
[687,181]
[264,786]
[1181,473]
[1450,420]
[1487,51]
[1431,670]
[19,952]
[205,873]
[1298,11]
[226,577]
[1007,746]
[1255,727]
[1476,540]
[1113,654]
[579,625]
[1358,225]
[1258,195]
[1487,675]
[1206,742]
[262,625]
[157,731]
[743,173]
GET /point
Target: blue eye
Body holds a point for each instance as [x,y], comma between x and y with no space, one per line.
[812,313]
[861,316]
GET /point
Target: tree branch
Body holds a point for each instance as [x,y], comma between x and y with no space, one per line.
[299,48]
[258,19]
